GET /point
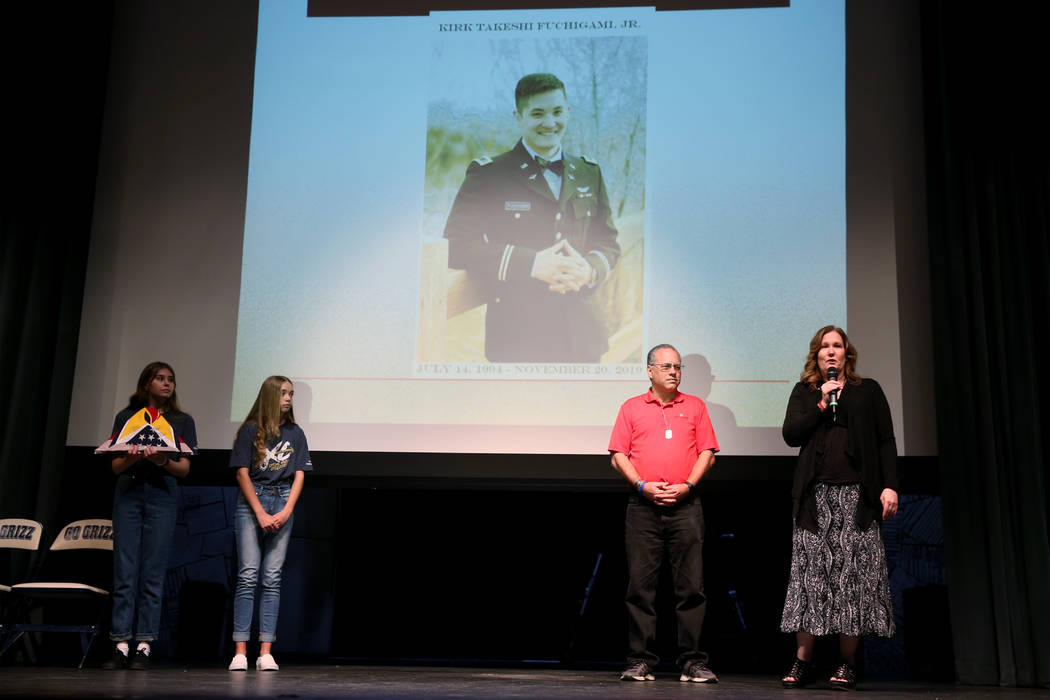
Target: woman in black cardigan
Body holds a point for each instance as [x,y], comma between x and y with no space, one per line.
[845,482]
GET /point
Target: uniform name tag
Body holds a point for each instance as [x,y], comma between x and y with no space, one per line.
[517,206]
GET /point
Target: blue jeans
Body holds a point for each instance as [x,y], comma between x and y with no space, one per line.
[143,521]
[258,548]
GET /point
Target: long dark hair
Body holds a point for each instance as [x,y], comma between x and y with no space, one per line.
[140,398]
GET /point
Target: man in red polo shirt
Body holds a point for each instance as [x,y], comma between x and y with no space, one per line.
[663,444]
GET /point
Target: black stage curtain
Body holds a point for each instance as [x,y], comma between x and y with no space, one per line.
[55,65]
[989,188]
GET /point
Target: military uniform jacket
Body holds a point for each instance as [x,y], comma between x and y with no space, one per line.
[505,213]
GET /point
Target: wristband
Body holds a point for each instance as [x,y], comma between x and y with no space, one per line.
[691,486]
[641,486]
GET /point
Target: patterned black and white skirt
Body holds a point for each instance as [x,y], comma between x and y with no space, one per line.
[839,583]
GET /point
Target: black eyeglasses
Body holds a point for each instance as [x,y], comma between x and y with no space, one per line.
[667,367]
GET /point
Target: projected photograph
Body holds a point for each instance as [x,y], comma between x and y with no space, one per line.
[534,203]
[496,225]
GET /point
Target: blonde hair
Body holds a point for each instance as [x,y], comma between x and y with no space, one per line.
[266,414]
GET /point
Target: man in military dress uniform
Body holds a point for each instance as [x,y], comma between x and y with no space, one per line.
[534,226]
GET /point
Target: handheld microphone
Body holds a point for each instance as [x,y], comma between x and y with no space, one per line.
[833,397]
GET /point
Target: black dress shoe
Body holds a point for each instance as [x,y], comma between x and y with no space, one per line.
[119,660]
[139,662]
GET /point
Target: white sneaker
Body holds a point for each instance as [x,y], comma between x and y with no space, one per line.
[239,663]
[266,663]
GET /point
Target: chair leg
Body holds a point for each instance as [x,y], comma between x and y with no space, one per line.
[85,644]
[9,640]
[87,638]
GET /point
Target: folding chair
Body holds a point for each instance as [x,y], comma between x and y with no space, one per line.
[62,578]
[16,534]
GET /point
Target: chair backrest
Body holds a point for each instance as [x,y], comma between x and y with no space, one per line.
[20,533]
[20,538]
[96,533]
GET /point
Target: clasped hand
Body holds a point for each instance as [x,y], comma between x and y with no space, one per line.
[272,523]
[562,268]
[663,493]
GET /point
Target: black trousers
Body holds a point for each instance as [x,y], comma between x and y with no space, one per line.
[652,533]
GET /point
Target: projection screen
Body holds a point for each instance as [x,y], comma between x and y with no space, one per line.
[299,172]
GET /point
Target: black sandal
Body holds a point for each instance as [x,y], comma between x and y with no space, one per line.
[845,678]
[800,675]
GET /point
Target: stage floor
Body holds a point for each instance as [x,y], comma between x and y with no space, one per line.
[331,681]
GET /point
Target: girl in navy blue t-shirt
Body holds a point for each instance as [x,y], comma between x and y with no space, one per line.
[271,457]
[145,502]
